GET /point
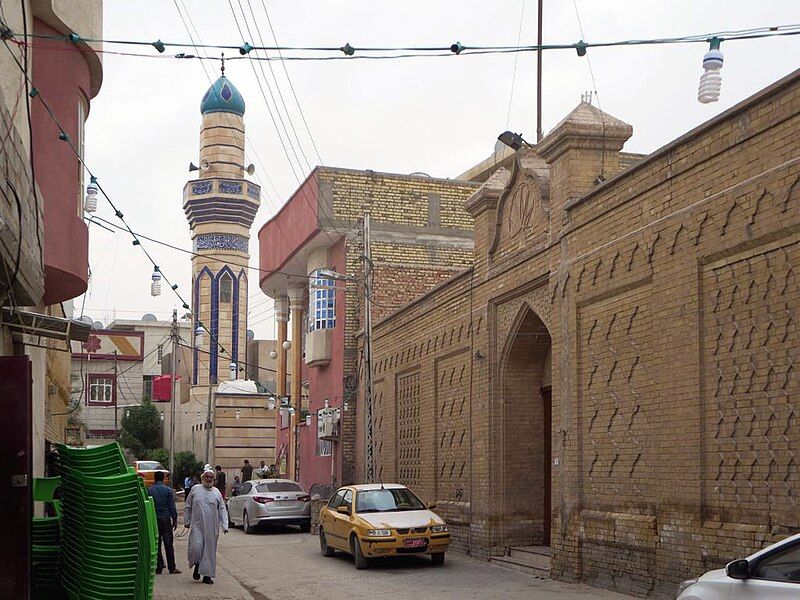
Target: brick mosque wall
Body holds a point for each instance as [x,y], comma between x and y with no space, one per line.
[670,297]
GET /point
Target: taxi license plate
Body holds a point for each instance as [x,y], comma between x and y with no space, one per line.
[414,542]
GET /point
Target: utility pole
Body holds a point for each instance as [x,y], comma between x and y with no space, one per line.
[369,457]
[539,76]
[208,418]
[174,369]
[116,401]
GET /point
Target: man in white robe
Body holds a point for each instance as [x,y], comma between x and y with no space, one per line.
[204,514]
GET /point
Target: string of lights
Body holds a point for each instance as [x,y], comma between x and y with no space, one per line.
[456,48]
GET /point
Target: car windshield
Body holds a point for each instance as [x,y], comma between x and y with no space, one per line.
[150,465]
[279,486]
[387,500]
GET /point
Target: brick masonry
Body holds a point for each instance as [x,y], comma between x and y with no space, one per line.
[421,237]
[662,309]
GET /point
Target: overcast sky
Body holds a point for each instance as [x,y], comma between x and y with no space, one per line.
[435,115]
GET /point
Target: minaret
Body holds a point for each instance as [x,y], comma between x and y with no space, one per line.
[220,207]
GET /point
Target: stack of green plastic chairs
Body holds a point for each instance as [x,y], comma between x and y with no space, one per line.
[108,526]
[46,538]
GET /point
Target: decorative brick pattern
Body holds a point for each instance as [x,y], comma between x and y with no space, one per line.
[614,385]
[452,434]
[408,428]
[752,425]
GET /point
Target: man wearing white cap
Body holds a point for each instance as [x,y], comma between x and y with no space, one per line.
[204,514]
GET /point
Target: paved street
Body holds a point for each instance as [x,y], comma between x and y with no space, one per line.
[284,565]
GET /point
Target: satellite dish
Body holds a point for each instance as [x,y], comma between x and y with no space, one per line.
[97,325]
[420,174]
[205,165]
[86,319]
[251,168]
[149,317]
[251,335]
[499,147]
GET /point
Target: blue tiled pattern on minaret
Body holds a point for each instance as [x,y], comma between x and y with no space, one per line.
[230,187]
[202,187]
[221,241]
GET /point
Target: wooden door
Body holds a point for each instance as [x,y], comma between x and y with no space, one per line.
[547,460]
[16,469]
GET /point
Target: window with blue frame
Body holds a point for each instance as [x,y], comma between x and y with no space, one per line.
[322,313]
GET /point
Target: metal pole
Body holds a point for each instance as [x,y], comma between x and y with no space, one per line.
[116,401]
[174,369]
[539,76]
[369,458]
[208,420]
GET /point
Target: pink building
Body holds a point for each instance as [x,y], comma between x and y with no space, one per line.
[311,256]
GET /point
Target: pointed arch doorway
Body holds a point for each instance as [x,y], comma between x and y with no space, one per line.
[527,433]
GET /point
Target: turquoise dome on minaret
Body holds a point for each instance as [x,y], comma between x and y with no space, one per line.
[222,96]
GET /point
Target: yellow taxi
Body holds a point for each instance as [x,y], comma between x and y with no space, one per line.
[378,520]
[146,469]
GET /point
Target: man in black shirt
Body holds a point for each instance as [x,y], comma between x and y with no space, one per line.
[247,471]
[220,481]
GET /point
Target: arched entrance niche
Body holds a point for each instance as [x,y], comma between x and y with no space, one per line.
[527,433]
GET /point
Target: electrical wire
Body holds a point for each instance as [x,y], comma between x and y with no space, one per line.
[141,236]
[602,175]
[25,71]
[272,206]
[320,207]
[516,60]
[291,85]
[726,35]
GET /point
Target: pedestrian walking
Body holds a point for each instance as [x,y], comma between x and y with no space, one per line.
[204,514]
[220,482]
[247,471]
[188,483]
[167,519]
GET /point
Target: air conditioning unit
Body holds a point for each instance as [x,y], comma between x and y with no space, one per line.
[328,424]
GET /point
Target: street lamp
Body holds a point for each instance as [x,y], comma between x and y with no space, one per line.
[515,141]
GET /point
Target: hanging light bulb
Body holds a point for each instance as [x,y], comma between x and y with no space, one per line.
[155,287]
[90,201]
[273,354]
[237,413]
[199,334]
[287,344]
[711,80]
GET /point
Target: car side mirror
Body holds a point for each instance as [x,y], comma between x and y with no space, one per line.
[344,510]
[432,505]
[738,569]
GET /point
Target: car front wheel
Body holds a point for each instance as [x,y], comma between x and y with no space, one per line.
[437,559]
[323,544]
[355,548]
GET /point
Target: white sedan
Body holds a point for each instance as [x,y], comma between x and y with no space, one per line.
[773,573]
